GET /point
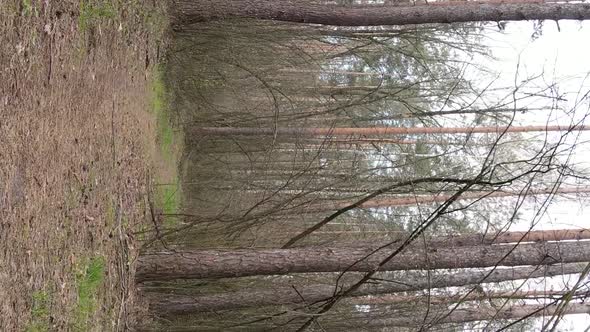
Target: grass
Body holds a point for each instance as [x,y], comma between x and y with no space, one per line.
[40,318]
[92,12]
[165,133]
[169,144]
[169,197]
[88,281]
[28,9]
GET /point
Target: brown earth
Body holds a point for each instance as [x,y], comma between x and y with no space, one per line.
[76,144]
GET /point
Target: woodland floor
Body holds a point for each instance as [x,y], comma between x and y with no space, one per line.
[77,148]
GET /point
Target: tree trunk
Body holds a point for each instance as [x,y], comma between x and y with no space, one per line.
[405,201]
[192,11]
[390,299]
[316,72]
[190,264]
[377,141]
[170,304]
[370,142]
[376,131]
[464,240]
[468,315]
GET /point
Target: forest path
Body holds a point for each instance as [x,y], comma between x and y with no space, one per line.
[76,145]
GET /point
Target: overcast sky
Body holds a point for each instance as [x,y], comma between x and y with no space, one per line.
[562,54]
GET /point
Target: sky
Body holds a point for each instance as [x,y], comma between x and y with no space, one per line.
[565,57]
[562,54]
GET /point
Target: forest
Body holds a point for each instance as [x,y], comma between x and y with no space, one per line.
[357,165]
[316,165]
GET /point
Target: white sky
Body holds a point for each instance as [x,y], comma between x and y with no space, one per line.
[558,54]
[563,55]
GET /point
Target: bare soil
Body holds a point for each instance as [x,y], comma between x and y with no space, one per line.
[76,145]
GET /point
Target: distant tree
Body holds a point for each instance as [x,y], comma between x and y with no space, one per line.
[425,199]
[379,131]
[174,304]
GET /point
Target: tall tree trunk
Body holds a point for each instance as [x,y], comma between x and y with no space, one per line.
[377,131]
[473,296]
[171,304]
[469,315]
[377,141]
[531,236]
[191,11]
[332,72]
[464,240]
[166,265]
[404,201]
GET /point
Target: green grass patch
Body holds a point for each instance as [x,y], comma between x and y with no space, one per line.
[169,198]
[88,280]
[165,135]
[169,146]
[27,8]
[40,319]
[92,12]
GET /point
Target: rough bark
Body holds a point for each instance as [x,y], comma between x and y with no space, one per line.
[464,240]
[167,265]
[192,11]
[170,304]
[461,240]
[473,296]
[471,315]
[522,237]
[376,131]
[404,201]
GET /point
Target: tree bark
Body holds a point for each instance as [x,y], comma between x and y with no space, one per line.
[514,237]
[390,299]
[470,315]
[376,131]
[166,265]
[426,199]
[170,304]
[404,201]
[464,240]
[192,11]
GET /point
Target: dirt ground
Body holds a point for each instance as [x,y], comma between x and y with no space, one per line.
[76,139]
